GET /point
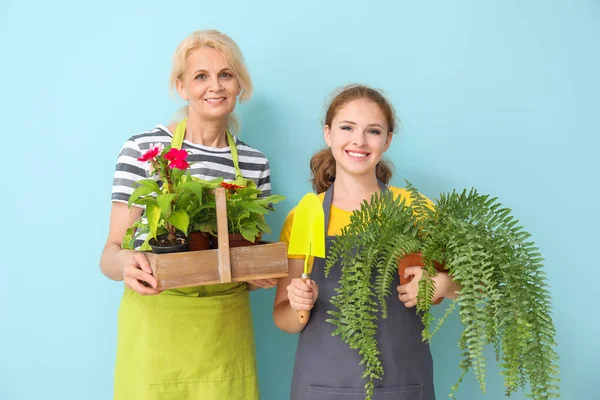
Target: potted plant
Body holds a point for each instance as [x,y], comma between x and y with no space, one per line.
[203,216]
[168,197]
[245,213]
[504,300]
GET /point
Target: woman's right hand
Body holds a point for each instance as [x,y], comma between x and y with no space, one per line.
[137,272]
[302,295]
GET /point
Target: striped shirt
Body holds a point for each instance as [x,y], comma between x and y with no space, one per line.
[206,163]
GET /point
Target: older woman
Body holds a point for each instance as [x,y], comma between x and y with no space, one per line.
[197,342]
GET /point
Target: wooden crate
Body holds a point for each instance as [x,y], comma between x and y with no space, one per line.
[222,265]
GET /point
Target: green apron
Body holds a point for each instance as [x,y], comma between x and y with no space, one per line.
[188,343]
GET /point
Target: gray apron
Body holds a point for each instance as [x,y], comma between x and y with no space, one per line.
[327,369]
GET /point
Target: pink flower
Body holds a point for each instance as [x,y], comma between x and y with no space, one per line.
[179,164]
[155,150]
[150,154]
[177,159]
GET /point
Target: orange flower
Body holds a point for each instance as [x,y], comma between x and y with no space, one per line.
[230,186]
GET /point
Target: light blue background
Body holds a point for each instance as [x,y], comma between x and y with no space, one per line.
[501,95]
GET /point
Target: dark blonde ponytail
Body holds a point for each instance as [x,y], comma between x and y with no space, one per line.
[322,169]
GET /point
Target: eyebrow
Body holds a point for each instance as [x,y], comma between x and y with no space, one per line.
[354,123]
[203,70]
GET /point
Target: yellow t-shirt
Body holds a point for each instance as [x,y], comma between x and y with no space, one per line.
[338,218]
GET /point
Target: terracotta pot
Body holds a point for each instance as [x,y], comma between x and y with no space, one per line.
[415,260]
[199,241]
[235,240]
[183,244]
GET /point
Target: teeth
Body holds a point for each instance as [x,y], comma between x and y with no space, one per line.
[353,154]
[215,100]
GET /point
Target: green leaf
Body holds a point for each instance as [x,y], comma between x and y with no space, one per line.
[213,184]
[144,201]
[249,231]
[164,202]
[196,187]
[248,192]
[146,246]
[208,227]
[274,199]
[180,220]
[128,239]
[153,213]
[139,192]
[151,183]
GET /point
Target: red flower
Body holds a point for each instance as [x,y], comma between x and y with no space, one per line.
[177,159]
[230,186]
[153,152]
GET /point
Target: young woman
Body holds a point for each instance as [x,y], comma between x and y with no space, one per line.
[359,125]
[190,343]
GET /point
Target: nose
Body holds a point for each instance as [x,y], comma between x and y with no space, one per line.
[215,84]
[359,139]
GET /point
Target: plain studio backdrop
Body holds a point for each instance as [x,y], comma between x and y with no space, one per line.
[500,95]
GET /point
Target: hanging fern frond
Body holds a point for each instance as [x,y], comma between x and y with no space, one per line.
[504,301]
[369,248]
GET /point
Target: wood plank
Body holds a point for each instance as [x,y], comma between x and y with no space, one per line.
[197,268]
[223,236]
[262,261]
[190,268]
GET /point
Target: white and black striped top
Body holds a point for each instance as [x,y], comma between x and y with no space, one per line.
[207,163]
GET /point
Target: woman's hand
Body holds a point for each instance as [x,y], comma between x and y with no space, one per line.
[302,295]
[262,283]
[137,273]
[408,293]
[444,287]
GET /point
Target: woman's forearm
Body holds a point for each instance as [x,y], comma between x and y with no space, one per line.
[109,262]
[286,318]
[446,286]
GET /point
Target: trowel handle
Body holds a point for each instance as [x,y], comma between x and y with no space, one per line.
[304,315]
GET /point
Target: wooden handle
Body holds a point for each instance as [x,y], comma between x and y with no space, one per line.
[223,236]
[303,316]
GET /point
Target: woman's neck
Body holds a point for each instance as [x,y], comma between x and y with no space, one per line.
[209,133]
[350,191]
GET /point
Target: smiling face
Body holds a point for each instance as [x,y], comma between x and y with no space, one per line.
[358,137]
[208,84]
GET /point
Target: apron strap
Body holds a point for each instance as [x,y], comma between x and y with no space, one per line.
[179,134]
[329,197]
[234,156]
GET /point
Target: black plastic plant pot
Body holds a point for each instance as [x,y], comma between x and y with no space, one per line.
[159,247]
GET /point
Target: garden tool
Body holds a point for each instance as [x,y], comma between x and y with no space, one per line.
[308,236]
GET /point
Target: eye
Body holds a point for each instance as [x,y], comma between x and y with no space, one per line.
[346,127]
[200,76]
[226,75]
[374,131]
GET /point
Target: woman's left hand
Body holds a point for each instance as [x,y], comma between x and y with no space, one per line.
[262,283]
[444,287]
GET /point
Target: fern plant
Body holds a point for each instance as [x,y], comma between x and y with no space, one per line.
[504,299]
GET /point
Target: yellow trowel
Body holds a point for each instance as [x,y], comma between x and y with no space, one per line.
[308,236]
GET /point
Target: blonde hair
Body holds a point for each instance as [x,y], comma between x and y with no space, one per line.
[322,163]
[224,45]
